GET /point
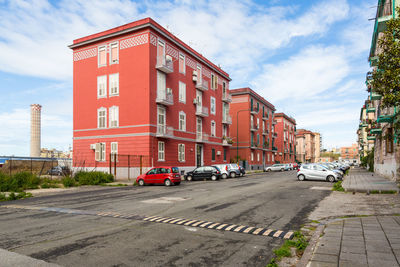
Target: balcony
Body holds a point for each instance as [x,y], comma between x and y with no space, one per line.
[201,137]
[265,117]
[201,111]
[385,118]
[265,132]
[371,110]
[254,109]
[385,11]
[376,130]
[227,141]
[253,127]
[375,96]
[274,122]
[202,85]
[226,98]
[164,131]
[253,145]
[274,148]
[266,145]
[227,119]
[274,135]
[371,137]
[165,64]
[166,99]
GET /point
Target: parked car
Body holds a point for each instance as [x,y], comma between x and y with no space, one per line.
[295,166]
[205,172]
[160,175]
[58,170]
[332,168]
[316,172]
[289,167]
[242,171]
[228,171]
[238,169]
[276,167]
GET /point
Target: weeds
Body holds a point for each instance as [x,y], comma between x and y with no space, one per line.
[68,181]
[93,178]
[338,186]
[299,242]
[14,196]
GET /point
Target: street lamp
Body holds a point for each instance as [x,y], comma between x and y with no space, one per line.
[237,133]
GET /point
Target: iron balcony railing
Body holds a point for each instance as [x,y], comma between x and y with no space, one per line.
[201,111]
[202,85]
[226,98]
[165,98]
[164,131]
[227,119]
[201,137]
[165,64]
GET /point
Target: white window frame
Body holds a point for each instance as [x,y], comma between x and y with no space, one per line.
[100,152]
[102,109]
[213,128]
[252,156]
[258,156]
[114,116]
[102,80]
[181,152]
[183,128]
[114,151]
[182,92]
[161,151]
[113,78]
[212,105]
[111,46]
[182,56]
[99,49]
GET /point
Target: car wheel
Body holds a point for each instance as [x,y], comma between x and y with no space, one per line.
[301,177]
[268,170]
[224,176]
[282,170]
[233,174]
[167,182]
[141,182]
[331,179]
[189,178]
[177,183]
[213,177]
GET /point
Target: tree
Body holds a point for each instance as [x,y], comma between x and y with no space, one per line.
[386,78]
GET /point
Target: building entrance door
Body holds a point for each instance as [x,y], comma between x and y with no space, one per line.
[199,155]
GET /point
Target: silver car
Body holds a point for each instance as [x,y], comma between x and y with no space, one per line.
[316,172]
[276,167]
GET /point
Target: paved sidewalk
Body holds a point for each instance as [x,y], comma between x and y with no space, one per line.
[367,241]
[360,180]
[12,259]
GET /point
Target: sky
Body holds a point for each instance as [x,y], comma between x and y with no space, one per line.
[308,58]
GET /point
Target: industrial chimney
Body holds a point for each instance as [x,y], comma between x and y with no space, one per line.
[35,130]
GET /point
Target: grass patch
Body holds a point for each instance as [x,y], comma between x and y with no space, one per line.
[93,178]
[114,184]
[18,182]
[14,196]
[315,221]
[68,181]
[49,183]
[383,192]
[299,242]
[272,263]
[353,216]
[338,186]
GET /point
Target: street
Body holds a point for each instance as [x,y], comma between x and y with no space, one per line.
[268,200]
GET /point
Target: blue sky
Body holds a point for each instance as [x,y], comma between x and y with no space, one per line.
[308,58]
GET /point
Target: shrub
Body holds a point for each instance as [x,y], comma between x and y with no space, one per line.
[14,196]
[93,178]
[68,181]
[18,182]
[338,186]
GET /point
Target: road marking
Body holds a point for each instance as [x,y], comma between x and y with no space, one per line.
[159,219]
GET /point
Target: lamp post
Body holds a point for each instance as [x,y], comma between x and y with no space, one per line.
[237,133]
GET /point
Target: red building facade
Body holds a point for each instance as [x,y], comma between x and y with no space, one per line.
[139,90]
[285,141]
[252,129]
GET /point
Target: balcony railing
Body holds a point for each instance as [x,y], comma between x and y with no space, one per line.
[253,127]
[164,131]
[202,85]
[201,111]
[226,141]
[274,148]
[201,137]
[226,98]
[165,64]
[227,119]
[165,98]
[253,144]
[275,135]
[266,145]
[265,132]
[254,109]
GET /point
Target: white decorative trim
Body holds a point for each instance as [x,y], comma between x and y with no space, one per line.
[85,54]
[153,39]
[190,63]
[171,51]
[206,72]
[134,41]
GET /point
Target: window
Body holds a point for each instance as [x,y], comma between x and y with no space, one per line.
[101,118]
[100,152]
[258,123]
[181,152]
[258,156]
[213,154]
[161,151]
[182,68]
[258,139]
[182,121]
[224,130]
[212,128]
[212,105]
[114,53]
[114,114]
[114,151]
[160,53]
[114,84]
[225,154]
[161,120]
[101,56]
[101,86]
[214,81]
[252,156]
[161,84]
[182,92]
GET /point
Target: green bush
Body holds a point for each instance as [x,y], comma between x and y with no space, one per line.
[93,178]
[68,181]
[338,186]
[18,182]
[14,196]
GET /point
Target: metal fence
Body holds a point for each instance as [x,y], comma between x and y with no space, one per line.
[124,166]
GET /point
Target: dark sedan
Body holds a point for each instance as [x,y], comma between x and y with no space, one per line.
[205,172]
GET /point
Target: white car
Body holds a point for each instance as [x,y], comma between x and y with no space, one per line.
[316,172]
[276,167]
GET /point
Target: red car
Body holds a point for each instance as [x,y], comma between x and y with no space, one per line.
[160,175]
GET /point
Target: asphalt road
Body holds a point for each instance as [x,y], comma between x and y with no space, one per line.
[271,200]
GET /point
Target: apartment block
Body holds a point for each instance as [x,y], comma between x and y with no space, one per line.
[252,129]
[308,146]
[284,138]
[139,90]
[349,153]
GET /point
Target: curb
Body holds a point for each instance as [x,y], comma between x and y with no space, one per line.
[311,246]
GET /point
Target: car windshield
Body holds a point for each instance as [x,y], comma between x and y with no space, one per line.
[175,170]
[325,167]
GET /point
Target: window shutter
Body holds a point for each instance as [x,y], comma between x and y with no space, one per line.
[114,53]
[102,56]
[97,152]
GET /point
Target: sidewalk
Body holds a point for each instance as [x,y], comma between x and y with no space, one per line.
[367,241]
[12,259]
[360,180]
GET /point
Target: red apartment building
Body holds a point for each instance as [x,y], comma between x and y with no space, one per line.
[252,129]
[139,90]
[285,141]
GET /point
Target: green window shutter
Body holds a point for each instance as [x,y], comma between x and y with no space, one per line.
[213,154]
